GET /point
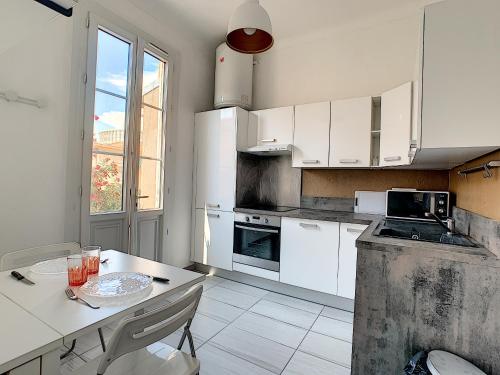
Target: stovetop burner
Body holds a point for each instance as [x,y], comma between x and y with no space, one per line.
[270,208]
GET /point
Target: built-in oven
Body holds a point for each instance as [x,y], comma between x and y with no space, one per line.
[257,241]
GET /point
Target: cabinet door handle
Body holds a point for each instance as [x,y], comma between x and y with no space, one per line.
[213,215]
[354,230]
[307,225]
[275,231]
[268,140]
[348,161]
[310,161]
[392,158]
[213,205]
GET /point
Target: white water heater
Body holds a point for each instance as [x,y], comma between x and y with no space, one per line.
[233,78]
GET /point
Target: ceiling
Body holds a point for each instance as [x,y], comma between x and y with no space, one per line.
[290,18]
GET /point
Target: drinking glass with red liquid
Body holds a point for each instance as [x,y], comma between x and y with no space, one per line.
[93,256]
[77,270]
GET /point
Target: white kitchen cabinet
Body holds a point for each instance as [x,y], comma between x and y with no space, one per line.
[310,136]
[348,252]
[215,156]
[309,254]
[272,126]
[395,126]
[350,134]
[213,241]
[460,74]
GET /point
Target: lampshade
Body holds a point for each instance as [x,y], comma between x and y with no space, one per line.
[249,29]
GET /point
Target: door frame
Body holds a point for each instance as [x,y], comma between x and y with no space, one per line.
[137,40]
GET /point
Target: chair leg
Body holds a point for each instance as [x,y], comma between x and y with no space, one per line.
[191,343]
[101,337]
[68,352]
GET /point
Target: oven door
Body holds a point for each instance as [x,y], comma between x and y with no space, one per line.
[257,245]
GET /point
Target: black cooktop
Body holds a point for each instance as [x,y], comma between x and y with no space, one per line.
[269,208]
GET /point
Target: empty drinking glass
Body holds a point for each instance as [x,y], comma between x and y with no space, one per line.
[77,270]
[93,255]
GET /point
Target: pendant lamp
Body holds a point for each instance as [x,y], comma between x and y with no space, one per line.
[249,29]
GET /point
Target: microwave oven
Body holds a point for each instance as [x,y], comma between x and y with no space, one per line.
[415,204]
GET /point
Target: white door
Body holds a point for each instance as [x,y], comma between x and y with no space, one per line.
[309,254]
[124,138]
[214,238]
[274,126]
[215,153]
[348,252]
[350,134]
[395,126]
[311,135]
[148,160]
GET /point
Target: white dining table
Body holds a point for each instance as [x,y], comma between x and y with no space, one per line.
[47,302]
[23,337]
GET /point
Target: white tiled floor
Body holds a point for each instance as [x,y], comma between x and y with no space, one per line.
[243,330]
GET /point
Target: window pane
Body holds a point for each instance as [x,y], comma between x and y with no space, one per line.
[151,132]
[109,123]
[112,64]
[106,187]
[152,81]
[149,184]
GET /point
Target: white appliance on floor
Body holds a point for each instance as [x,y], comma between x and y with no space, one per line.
[443,363]
[233,78]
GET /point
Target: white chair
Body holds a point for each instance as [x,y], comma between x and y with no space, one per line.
[28,257]
[135,333]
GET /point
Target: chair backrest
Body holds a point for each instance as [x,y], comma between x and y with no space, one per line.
[28,257]
[140,331]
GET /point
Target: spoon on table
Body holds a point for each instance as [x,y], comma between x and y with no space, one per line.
[72,296]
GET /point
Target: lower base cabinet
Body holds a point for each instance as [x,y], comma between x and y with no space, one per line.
[348,252]
[213,241]
[309,254]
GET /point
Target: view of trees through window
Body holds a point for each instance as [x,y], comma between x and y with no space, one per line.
[111,127]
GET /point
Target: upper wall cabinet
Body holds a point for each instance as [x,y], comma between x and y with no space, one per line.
[310,138]
[461,79]
[395,126]
[273,126]
[350,134]
[216,142]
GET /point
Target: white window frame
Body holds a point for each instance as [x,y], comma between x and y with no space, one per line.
[139,43]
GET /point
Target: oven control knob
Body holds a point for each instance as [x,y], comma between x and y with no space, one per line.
[247,219]
[266,221]
[441,203]
[441,211]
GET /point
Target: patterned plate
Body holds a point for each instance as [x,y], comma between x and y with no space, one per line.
[118,286]
[50,267]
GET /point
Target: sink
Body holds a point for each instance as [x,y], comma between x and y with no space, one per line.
[420,231]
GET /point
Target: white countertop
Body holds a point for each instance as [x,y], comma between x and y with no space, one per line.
[47,301]
[23,336]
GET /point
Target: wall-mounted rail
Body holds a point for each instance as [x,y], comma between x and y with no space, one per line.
[11,96]
[486,168]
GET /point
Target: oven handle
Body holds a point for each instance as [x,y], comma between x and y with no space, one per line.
[257,229]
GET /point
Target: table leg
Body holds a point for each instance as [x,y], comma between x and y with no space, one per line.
[68,352]
[101,337]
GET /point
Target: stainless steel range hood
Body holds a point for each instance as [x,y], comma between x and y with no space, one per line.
[270,150]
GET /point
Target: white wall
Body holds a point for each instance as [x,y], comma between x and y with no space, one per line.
[41,150]
[33,141]
[362,59]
